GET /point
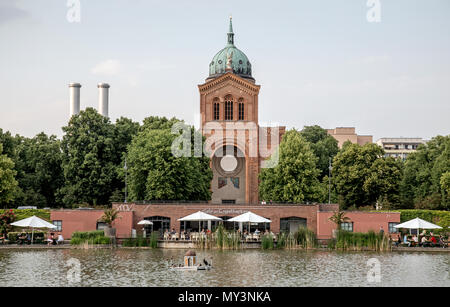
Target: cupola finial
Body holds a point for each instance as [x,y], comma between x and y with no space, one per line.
[230,33]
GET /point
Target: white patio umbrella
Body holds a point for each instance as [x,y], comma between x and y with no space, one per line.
[249,217]
[199,217]
[417,223]
[145,222]
[33,222]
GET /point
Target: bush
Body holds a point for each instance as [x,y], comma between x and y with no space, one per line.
[25,213]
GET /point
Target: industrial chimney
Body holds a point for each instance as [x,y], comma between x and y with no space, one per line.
[103,89]
[74,89]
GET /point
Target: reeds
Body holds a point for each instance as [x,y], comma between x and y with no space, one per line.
[220,239]
[303,238]
[89,238]
[140,241]
[356,241]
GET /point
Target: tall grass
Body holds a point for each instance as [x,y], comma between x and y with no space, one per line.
[220,239]
[89,238]
[140,241]
[356,241]
[303,238]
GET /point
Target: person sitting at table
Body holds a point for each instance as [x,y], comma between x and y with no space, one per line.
[50,239]
[399,240]
[406,241]
[3,238]
[415,240]
[22,238]
[433,239]
[60,239]
[257,231]
[424,241]
[442,241]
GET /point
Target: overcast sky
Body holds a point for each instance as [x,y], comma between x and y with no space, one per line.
[318,62]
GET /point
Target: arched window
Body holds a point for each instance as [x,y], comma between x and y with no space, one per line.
[229,108]
[241,109]
[216,111]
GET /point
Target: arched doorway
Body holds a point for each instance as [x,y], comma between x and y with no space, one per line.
[160,224]
[292,224]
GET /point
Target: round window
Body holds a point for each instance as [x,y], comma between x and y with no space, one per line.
[228,163]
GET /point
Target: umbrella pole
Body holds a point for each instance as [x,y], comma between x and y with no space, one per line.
[32,234]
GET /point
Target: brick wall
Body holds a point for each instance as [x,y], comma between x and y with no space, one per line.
[86,220]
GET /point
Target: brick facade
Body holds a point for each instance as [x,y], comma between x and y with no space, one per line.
[316,215]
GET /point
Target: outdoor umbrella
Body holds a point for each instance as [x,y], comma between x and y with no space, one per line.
[33,222]
[199,217]
[417,223]
[249,217]
[146,222]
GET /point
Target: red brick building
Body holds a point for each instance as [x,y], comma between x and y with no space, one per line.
[165,216]
[229,116]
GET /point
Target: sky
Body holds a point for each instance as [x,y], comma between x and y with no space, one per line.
[318,62]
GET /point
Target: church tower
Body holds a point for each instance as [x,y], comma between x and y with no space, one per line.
[229,113]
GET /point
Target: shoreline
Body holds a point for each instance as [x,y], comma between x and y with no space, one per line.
[185,246]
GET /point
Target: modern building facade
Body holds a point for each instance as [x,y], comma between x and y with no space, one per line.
[400,147]
[344,134]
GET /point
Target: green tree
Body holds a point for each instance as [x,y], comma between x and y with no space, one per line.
[8,184]
[89,159]
[362,175]
[295,177]
[39,170]
[421,185]
[323,145]
[124,131]
[156,174]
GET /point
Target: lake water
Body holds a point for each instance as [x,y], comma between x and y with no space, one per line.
[126,267]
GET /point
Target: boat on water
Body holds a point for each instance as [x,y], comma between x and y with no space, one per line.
[190,263]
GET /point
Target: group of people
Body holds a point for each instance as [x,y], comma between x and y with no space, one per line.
[26,238]
[424,241]
[53,240]
[185,235]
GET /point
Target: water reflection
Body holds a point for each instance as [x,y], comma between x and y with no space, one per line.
[123,267]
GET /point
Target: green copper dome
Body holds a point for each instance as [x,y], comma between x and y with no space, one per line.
[230,59]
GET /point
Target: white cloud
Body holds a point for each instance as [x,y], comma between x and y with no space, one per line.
[107,68]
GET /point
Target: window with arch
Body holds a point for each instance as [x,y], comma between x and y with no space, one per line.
[216,110]
[241,109]
[228,108]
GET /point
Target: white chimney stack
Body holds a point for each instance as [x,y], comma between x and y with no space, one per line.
[74,89]
[103,89]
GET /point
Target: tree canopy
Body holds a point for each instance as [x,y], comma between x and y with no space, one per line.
[156,174]
[423,184]
[295,177]
[323,145]
[363,176]
[8,184]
